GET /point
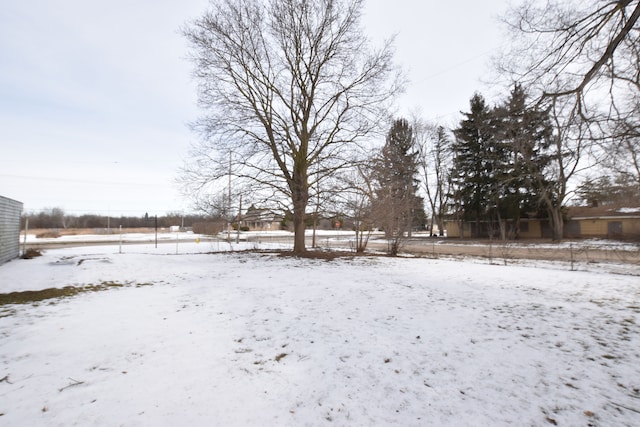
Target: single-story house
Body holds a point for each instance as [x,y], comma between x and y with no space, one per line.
[606,222]
[530,228]
[260,219]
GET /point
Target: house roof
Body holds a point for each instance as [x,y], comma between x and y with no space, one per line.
[604,211]
[262,215]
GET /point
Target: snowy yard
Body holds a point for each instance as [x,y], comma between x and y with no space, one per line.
[257,339]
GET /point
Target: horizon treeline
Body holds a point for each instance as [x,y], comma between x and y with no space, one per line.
[58,218]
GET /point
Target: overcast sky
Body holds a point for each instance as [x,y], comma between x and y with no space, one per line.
[95,96]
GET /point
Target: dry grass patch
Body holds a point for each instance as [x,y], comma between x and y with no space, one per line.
[35,297]
[31,253]
[44,233]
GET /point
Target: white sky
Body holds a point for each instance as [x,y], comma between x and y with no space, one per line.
[95,96]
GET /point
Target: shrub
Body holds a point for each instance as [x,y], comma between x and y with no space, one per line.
[48,234]
[31,253]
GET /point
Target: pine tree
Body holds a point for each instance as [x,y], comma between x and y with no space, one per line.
[607,190]
[479,165]
[397,205]
[526,132]
[500,156]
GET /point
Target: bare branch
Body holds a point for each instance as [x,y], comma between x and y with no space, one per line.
[287,85]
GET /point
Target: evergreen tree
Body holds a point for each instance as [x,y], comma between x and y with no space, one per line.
[500,159]
[479,165]
[621,190]
[526,133]
[397,205]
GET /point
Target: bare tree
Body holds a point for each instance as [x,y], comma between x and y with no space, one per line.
[577,49]
[566,153]
[623,152]
[581,59]
[585,54]
[58,216]
[355,195]
[288,87]
[435,162]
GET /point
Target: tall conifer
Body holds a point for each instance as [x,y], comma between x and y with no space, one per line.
[397,205]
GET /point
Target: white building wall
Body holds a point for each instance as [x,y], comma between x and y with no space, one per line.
[10,212]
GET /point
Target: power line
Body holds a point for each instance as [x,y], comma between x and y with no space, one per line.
[454,66]
[81,181]
[114,212]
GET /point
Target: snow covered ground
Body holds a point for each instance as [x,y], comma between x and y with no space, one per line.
[257,339]
[165,236]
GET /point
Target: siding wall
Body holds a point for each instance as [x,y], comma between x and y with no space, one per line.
[533,229]
[593,227]
[453,229]
[10,212]
[629,227]
[529,229]
[622,227]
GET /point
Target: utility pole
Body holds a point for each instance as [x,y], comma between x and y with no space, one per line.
[315,217]
[229,203]
[239,218]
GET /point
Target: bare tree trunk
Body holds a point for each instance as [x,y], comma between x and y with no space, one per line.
[300,194]
[362,240]
[394,246]
[299,229]
[557,223]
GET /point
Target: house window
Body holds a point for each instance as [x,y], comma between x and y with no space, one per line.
[614,229]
